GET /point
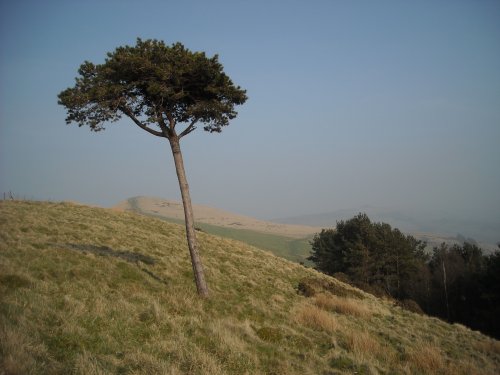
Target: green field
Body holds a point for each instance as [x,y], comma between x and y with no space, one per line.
[93,291]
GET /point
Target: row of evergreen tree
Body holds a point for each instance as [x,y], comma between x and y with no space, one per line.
[457,283]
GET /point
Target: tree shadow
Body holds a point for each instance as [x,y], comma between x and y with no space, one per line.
[128,256]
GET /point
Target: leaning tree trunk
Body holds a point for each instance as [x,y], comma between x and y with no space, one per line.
[199,275]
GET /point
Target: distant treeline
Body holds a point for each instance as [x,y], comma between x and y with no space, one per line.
[457,283]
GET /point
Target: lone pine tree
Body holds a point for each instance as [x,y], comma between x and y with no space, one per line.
[160,88]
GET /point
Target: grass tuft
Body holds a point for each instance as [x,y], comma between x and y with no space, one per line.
[313,317]
[341,305]
[427,359]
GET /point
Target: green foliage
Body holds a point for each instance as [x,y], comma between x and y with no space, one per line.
[153,83]
[370,253]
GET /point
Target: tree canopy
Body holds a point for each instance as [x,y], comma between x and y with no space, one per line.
[157,86]
[369,254]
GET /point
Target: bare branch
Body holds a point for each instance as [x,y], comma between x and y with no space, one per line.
[161,123]
[189,129]
[129,113]
[170,120]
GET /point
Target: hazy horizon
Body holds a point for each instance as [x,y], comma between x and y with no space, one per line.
[387,104]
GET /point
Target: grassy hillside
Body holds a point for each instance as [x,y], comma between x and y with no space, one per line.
[91,291]
[295,248]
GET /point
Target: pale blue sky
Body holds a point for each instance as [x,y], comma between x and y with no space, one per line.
[386,103]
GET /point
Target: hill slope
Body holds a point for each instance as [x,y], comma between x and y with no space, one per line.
[92,291]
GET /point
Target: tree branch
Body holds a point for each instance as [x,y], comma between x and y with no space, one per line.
[189,129]
[161,123]
[129,113]
[170,120]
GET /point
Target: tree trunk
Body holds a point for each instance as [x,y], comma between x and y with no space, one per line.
[199,275]
[445,291]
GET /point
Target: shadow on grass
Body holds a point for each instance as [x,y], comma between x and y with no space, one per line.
[128,256]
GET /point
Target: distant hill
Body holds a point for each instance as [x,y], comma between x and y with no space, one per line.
[96,291]
[433,230]
[213,216]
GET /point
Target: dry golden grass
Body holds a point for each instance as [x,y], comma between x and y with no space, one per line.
[316,318]
[342,305]
[16,355]
[92,291]
[427,358]
[362,344]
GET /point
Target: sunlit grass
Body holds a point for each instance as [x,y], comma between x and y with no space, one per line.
[91,291]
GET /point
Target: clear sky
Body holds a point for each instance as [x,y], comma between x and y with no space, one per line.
[351,103]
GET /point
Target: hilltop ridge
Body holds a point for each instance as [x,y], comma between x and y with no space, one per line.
[214,216]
